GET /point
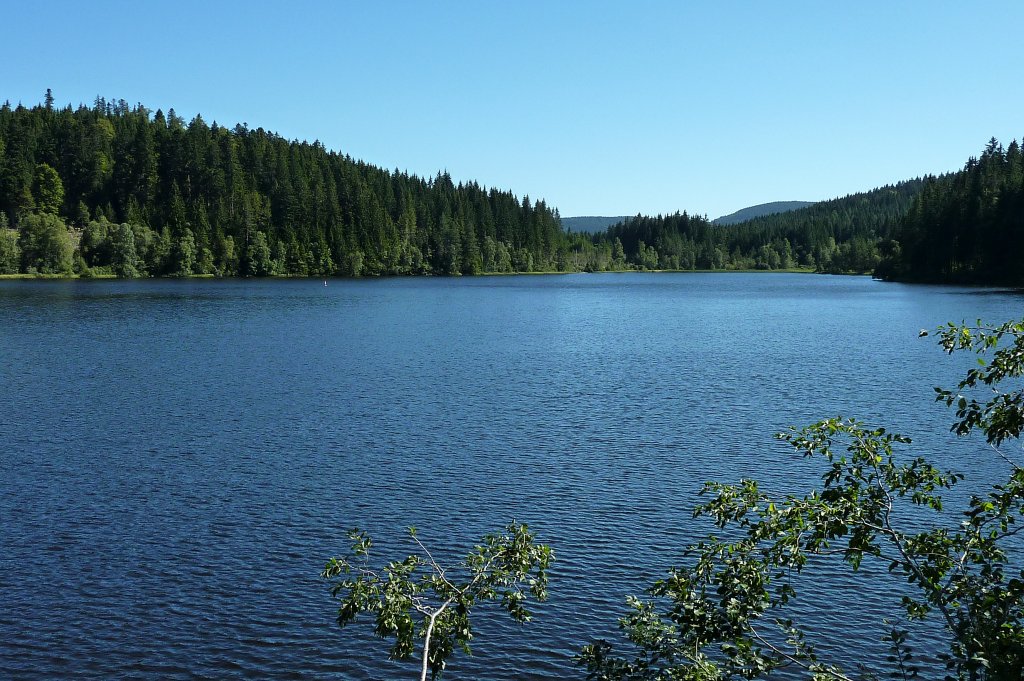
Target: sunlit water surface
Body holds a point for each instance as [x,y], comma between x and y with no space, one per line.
[178,459]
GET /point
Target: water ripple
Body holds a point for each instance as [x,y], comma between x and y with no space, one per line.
[178,459]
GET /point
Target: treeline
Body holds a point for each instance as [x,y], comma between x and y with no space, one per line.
[119,189]
[966,227]
[113,189]
[842,235]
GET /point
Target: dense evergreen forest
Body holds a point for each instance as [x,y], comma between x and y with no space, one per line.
[841,235]
[966,227]
[118,189]
[124,191]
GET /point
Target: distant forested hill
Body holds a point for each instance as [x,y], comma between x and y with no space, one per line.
[841,235]
[590,224]
[965,227]
[147,193]
[878,212]
[759,210]
[114,189]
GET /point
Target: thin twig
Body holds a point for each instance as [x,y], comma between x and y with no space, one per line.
[795,660]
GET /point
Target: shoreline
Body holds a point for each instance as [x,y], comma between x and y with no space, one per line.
[72,277]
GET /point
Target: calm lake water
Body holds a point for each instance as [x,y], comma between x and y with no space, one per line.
[178,459]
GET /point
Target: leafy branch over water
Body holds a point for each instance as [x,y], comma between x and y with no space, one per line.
[723,615]
[435,605]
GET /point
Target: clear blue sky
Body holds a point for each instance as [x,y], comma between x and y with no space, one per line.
[602,108]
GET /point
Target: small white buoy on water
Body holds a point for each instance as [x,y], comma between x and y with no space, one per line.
[325,282]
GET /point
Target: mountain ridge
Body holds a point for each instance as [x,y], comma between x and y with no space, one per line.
[591,224]
[761,209]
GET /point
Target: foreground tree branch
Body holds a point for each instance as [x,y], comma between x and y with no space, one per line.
[509,567]
[707,620]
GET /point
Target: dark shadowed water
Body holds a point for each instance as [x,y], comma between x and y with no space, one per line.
[179,458]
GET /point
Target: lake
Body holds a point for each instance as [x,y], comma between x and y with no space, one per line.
[178,459]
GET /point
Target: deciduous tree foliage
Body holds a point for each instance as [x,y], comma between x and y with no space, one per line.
[10,253]
[724,615]
[417,598]
[124,258]
[47,189]
[45,245]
